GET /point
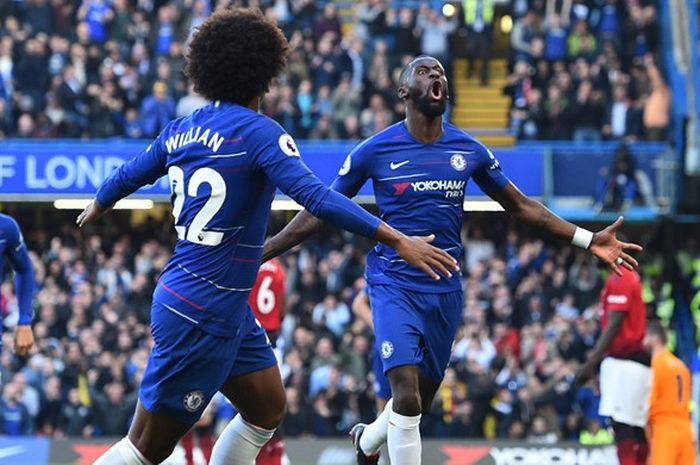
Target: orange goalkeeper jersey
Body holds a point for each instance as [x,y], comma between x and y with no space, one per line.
[670,391]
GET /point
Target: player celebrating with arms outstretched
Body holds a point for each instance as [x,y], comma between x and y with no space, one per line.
[224,163]
[420,168]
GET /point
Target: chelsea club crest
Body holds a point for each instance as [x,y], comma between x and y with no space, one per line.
[458,162]
[193,401]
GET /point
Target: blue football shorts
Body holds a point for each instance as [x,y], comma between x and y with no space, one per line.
[415,328]
[187,366]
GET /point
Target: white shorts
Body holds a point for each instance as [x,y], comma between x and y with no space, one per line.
[624,391]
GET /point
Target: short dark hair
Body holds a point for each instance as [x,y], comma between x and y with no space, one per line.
[235,54]
[655,328]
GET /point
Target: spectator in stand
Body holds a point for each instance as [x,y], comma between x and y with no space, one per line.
[189,103]
[48,420]
[581,43]
[373,119]
[16,420]
[76,418]
[157,110]
[617,121]
[609,25]
[328,25]
[406,33]
[478,18]
[595,435]
[371,19]
[113,408]
[618,185]
[556,117]
[435,31]
[30,76]
[346,103]
[307,109]
[541,432]
[323,64]
[554,40]
[518,89]
[658,105]
[588,113]
[332,315]
[324,129]
[96,14]
[286,110]
[522,36]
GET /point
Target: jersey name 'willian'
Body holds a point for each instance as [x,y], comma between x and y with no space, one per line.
[206,137]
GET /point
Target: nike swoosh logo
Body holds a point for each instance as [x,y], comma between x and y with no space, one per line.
[10,451]
[395,166]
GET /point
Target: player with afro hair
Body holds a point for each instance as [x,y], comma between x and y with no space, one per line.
[234,56]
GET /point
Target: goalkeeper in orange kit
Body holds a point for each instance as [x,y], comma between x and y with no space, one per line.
[670,429]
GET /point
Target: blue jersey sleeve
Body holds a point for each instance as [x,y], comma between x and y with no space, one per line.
[145,168]
[355,171]
[489,176]
[278,157]
[16,252]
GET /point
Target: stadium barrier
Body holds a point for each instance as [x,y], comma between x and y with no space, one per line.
[43,451]
[47,170]
[564,174]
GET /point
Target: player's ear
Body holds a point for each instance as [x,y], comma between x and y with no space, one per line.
[403,92]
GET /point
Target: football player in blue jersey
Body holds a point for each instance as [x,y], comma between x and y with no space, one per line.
[12,247]
[224,163]
[419,168]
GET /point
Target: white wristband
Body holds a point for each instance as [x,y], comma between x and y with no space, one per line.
[582,238]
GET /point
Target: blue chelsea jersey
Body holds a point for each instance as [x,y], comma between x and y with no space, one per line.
[224,163]
[419,189]
[13,247]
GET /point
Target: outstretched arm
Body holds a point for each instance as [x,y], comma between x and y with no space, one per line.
[141,170]
[603,244]
[415,250]
[351,176]
[302,226]
[16,252]
[284,168]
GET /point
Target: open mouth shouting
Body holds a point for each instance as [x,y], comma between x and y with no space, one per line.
[436,90]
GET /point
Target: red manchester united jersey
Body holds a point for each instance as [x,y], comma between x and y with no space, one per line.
[267,296]
[624,294]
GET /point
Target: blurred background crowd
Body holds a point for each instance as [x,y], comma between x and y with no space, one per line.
[581,69]
[103,68]
[586,70]
[530,316]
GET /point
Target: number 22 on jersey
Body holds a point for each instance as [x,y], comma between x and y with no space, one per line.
[196,231]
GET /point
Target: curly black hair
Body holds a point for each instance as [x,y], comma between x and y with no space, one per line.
[235,54]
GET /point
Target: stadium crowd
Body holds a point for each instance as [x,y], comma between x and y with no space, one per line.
[530,316]
[103,68]
[586,70]
[581,69]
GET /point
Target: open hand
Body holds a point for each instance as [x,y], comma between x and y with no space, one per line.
[91,214]
[417,251]
[610,250]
